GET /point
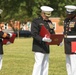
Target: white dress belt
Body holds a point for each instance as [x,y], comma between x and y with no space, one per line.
[72,36]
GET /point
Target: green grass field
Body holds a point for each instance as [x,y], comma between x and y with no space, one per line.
[18,59]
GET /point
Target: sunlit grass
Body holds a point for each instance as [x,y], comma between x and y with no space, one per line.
[18,59]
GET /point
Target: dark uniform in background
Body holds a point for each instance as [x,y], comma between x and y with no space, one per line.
[69,37]
[1,44]
[39,46]
[2,36]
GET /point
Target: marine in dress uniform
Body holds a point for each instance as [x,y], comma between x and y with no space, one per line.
[39,46]
[2,36]
[69,37]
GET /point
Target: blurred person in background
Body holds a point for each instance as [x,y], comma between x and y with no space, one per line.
[3,35]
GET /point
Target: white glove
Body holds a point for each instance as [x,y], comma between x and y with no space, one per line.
[45,39]
[8,43]
[10,34]
[61,44]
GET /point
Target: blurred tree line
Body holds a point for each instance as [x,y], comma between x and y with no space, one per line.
[22,10]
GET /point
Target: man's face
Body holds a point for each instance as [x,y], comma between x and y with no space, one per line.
[70,15]
[47,14]
[1,25]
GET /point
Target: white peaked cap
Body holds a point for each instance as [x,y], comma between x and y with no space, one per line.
[46,9]
[70,8]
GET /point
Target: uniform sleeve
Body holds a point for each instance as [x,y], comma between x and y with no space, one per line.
[35,31]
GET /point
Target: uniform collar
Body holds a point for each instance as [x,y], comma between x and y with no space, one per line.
[44,20]
[71,18]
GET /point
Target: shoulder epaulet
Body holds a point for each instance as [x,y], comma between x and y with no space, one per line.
[36,19]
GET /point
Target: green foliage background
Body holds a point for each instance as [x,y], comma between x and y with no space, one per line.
[28,9]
